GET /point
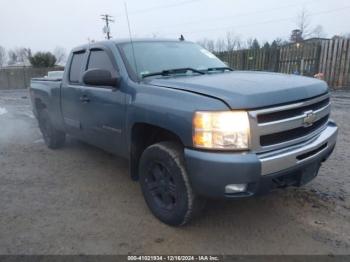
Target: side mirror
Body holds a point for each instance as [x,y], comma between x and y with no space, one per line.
[100,77]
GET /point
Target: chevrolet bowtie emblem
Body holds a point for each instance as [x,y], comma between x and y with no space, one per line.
[310,118]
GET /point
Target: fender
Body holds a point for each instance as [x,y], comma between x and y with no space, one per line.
[169,109]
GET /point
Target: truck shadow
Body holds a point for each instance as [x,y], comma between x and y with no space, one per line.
[267,210]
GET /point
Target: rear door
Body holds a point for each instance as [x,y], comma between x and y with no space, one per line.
[103,113]
[71,93]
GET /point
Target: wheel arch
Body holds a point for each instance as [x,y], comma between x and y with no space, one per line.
[142,136]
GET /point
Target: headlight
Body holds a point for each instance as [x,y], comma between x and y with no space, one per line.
[221,130]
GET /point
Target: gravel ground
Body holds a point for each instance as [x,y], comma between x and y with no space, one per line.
[80,200]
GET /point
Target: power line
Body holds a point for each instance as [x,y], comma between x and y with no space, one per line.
[150,9]
[266,22]
[107,30]
[232,16]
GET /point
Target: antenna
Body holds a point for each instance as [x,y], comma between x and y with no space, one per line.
[132,43]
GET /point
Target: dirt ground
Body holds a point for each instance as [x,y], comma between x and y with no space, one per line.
[80,200]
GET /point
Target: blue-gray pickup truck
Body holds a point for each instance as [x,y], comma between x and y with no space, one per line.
[191,127]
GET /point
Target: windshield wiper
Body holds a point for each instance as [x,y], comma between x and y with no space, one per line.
[211,69]
[174,71]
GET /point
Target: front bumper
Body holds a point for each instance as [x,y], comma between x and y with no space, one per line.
[210,172]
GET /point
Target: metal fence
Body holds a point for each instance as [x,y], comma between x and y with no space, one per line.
[329,57]
[19,77]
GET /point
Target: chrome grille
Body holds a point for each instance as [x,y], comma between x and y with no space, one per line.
[282,126]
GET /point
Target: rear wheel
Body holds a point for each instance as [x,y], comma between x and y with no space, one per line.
[165,184]
[53,138]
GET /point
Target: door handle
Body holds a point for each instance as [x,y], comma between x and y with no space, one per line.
[84,99]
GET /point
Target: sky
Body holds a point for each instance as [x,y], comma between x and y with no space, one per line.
[43,25]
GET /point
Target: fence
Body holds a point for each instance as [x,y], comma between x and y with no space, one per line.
[330,57]
[19,77]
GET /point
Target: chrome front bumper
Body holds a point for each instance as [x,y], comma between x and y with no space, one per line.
[279,160]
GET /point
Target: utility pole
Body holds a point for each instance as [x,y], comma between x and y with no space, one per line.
[108,19]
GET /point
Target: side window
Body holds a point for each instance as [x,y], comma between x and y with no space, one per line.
[76,66]
[99,60]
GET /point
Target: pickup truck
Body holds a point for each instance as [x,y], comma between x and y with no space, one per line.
[190,127]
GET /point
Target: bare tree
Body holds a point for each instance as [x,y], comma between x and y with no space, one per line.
[211,45]
[249,43]
[2,56]
[19,55]
[318,32]
[24,54]
[61,55]
[202,42]
[12,55]
[230,41]
[305,26]
[303,23]
[233,42]
[207,44]
[220,45]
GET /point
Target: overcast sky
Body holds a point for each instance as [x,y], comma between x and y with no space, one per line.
[45,24]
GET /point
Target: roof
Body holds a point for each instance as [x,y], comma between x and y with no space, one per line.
[123,41]
[127,40]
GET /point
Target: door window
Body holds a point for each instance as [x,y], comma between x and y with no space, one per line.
[76,67]
[99,60]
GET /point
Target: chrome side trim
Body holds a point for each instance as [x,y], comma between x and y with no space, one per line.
[119,131]
[285,158]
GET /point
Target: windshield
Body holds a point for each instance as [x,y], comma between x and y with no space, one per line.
[152,57]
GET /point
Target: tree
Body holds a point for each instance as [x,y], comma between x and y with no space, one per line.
[2,56]
[249,43]
[303,23]
[24,54]
[220,45]
[43,59]
[207,44]
[318,32]
[255,44]
[19,56]
[233,42]
[278,42]
[12,56]
[211,45]
[202,42]
[266,45]
[61,55]
[304,28]
[296,36]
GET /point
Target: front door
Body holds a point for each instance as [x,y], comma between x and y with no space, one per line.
[102,112]
[71,94]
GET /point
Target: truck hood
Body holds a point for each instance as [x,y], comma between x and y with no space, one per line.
[248,90]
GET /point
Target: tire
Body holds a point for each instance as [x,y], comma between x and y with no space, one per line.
[165,184]
[53,138]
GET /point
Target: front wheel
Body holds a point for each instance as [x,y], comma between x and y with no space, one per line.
[165,184]
[53,138]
